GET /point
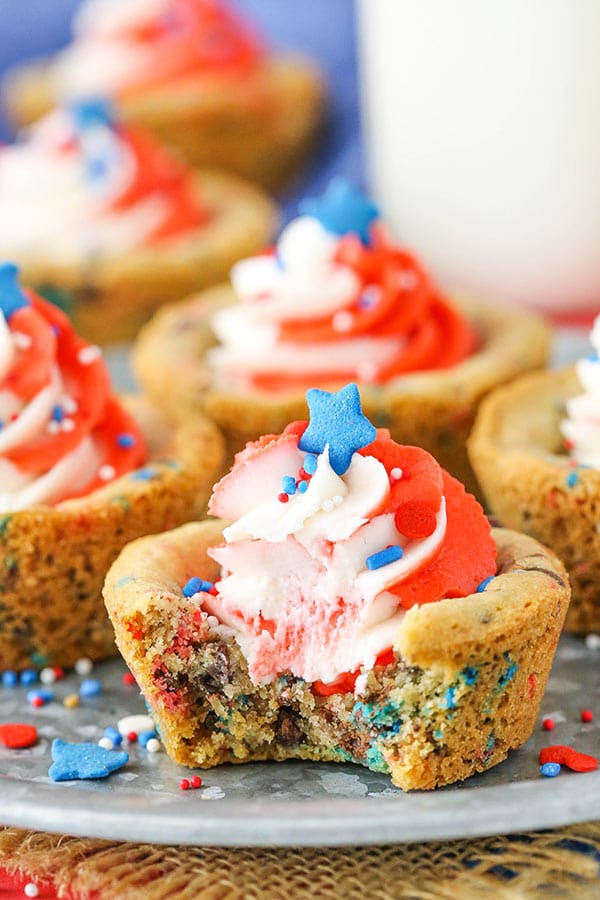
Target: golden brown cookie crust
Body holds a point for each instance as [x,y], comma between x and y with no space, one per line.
[110,297]
[465,688]
[54,559]
[434,409]
[263,126]
[517,452]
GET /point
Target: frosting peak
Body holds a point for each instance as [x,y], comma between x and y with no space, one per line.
[582,429]
[62,432]
[321,561]
[335,301]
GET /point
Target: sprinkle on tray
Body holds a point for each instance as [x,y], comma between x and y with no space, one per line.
[550,770]
[587,715]
[17,735]
[194,782]
[90,687]
[83,666]
[568,756]
[82,761]
[548,724]
[128,679]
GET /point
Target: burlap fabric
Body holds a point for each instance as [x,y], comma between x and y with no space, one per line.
[559,863]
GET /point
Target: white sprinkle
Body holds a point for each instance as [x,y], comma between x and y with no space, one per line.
[360,683]
[366,371]
[31,889]
[327,505]
[53,427]
[47,676]
[83,666]
[106,743]
[342,320]
[153,745]
[88,355]
[69,405]
[338,500]
[22,341]
[593,641]
[396,473]
[67,425]
[106,473]
[407,280]
[212,621]
[138,724]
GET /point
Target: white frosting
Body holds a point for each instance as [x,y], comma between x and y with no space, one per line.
[302,281]
[49,206]
[582,428]
[302,566]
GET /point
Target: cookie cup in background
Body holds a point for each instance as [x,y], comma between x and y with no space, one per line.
[54,558]
[109,297]
[463,689]
[433,409]
[531,484]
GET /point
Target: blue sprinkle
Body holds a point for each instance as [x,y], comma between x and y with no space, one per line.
[43,693]
[593,357]
[302,487]
[58,413]
[12,297]
[384,557]
[86,760]
[550,770]
[146,736]
[126,579]
[289,484]
[469,673]
[310,463]
[113,735]
[28,676]
[438,734]
[143,475]
[91,113]
[90,687]
[126,440]
[9,678]
[449,702]
[481,587]
[336,421]
[572,479]
[342,210]
[194,585]
[1,423]
[55,330]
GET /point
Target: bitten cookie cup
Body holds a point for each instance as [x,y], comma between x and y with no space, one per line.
[431,409]
[263,125]
[54,559]
[109,297]
[531,484]
[463,688]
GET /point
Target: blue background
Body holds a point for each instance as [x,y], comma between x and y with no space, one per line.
[323,29]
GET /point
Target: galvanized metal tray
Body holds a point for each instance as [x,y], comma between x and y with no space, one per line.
[291,804]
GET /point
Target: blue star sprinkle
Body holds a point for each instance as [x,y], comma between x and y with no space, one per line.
[87,760]
[12,296]
[342,209]
[336,420]
[91,113]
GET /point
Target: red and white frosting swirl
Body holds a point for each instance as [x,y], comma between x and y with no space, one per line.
[79,188]
[62,431]
[122,47]
[326,309]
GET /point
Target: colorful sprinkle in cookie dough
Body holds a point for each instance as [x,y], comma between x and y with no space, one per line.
[331,633]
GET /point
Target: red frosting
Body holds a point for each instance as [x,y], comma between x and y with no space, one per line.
[408,305]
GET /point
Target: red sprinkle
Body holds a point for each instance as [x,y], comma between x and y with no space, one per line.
[415,519]
[568,756]
[132,737]
[128,679]
[184,784]
[531,683]
[548,724]
[196,781]
[587,715]
[59,672]
[283,497]
[16,736]
[37,702]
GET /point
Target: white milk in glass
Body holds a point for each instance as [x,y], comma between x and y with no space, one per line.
[482,132]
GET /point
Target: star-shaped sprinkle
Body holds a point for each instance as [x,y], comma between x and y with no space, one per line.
[342,210]
[87,760]
[336,420]
[91,113]
[12,297]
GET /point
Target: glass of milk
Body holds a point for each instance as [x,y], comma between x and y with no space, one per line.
[482,132]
